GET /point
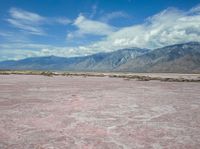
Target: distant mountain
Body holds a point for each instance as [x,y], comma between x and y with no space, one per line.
[117,58]
[180,58]
[96,62]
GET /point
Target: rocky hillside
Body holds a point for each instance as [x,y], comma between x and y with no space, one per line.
[96,62]
[180,58]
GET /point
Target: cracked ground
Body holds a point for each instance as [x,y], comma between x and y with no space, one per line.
[60,112]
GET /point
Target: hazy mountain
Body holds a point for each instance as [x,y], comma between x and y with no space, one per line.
[96,62]
[181,58]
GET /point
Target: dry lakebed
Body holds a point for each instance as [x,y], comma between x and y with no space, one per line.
[76,112]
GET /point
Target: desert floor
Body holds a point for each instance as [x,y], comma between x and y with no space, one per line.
[97,112]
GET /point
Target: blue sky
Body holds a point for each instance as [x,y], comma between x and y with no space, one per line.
[30,28]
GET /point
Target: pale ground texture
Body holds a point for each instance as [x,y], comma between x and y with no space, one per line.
[97,113]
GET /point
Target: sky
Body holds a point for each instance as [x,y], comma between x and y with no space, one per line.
[68,28]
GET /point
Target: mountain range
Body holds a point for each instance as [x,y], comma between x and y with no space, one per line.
[179,58]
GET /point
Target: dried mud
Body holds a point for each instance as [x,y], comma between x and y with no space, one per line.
[97,112]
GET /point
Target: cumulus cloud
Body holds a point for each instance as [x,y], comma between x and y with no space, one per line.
[171,26]
[90,27]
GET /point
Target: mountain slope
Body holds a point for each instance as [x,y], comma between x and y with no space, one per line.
[180,58]
[95,62]
[117,58]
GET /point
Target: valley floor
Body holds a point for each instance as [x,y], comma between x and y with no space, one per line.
[97,112]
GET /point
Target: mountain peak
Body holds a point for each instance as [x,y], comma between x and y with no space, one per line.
[175,58]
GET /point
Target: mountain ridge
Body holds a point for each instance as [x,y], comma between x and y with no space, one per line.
[179,58]
[83,63]
[182,58]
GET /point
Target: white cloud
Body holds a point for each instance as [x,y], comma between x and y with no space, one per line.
[90,27]
[195,10]
[171,26]
[168,27]
[63,20]
[26,21]
[10,36]
[32,22]
[114,15]
[25,16]
[30,28]
[6,34]
[16,51]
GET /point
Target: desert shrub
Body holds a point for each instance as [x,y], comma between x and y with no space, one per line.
[49,74]
[4,73]
[144,78]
